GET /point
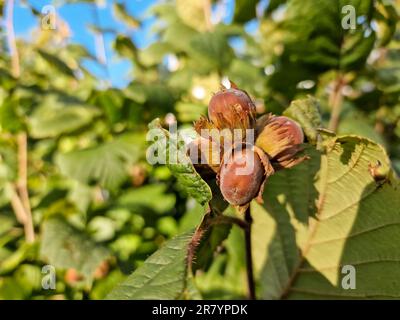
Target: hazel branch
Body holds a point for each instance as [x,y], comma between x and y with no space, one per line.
[22,186]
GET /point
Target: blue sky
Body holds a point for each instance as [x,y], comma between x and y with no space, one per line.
[80,15]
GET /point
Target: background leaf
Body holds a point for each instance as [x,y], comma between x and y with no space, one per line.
[65,247]
[50,121]
[106,164]
[245,10]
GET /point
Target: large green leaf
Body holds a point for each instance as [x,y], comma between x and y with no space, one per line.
[326,213]
[162,276]
[51,122]
[106,164]
[182,169]
[65,247]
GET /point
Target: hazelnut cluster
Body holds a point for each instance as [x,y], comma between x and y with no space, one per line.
[242,166]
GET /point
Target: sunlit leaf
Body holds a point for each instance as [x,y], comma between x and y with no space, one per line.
[325,218]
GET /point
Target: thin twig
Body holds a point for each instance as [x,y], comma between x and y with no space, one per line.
[17,206]
[12,45]
[20,196]
[22,184]
[336,102]
[249,259]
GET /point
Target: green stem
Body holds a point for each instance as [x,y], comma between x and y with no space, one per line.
[249,259]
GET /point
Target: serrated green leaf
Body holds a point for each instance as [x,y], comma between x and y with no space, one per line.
[353,219]
[182,169]
[212,238]
[162,276]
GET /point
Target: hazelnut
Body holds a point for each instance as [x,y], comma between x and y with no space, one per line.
[241,176]
[232,109]
[292,127]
